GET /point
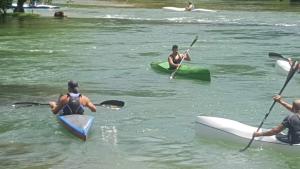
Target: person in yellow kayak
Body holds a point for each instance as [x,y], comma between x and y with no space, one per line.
[73,102]
[190,6]
[292,122]
[175,57]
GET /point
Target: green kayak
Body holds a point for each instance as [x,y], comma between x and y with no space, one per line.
[184,71]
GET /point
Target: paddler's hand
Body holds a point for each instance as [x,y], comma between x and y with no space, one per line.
[290,61]
[257,134]
[52,104]
[277,98]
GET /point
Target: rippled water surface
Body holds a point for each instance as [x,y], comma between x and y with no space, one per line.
[109,51]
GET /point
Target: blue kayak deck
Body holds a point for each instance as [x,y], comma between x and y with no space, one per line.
[79,125]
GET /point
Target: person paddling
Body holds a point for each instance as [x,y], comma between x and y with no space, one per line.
[291,62]
[175,57]
[190,6]
[292,122]
[59,14]
[73,102]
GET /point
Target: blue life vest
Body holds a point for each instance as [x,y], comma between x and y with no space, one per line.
[73,106]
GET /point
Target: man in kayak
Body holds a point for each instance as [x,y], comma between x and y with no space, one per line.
[175,57]
[73,102]
[291,63]
[292,122]
[59,14]
[190,6]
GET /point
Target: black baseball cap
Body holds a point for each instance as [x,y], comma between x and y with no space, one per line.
[72,84]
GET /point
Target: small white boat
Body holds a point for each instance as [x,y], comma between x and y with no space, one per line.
[183,9]
[229,130]
[41,6]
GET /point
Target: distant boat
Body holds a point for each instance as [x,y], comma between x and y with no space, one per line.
[183,9]
[41,6]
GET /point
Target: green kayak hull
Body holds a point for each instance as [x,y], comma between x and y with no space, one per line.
[184,71]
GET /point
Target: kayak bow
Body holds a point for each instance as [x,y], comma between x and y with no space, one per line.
[183,9]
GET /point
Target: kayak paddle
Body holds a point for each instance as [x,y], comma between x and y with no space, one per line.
[292,71]
[112,104]
[173,73]
[277,56]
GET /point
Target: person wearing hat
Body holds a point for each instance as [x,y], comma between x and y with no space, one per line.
[73,102]
[175,57]
[291,121]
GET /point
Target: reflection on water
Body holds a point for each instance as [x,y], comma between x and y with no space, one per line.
[109,134]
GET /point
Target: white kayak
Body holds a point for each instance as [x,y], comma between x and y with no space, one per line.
[282,67]
[183,9]
[41,6]
[234,131]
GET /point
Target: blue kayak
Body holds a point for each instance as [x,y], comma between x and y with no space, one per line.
[79,125]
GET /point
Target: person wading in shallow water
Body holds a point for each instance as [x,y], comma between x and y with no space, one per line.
[292,122]
[175,57]
[73,102]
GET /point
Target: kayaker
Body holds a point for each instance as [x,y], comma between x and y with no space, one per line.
[189,7]
[292,122]
[72,102]
[291,63]
[175,57]
[59,14]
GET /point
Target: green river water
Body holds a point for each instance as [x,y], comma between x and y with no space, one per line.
[109,51]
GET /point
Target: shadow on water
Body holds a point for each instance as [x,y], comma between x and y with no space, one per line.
[14,155]
[136,93]
[12,93]
[221,69]
[3,19]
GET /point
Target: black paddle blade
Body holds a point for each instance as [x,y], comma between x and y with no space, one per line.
[276,56]
[194,41]
[27,104]
[248,145]
[112,104]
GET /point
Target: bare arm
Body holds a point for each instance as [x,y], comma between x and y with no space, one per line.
[186,56]
[56,106]
[279,99]
[271,132]
[89,104]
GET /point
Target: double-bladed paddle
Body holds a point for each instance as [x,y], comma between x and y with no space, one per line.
[173,73]
[291,73]
[112,104]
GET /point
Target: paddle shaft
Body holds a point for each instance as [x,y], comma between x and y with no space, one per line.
[289,77]
[173,73]
[104,103]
